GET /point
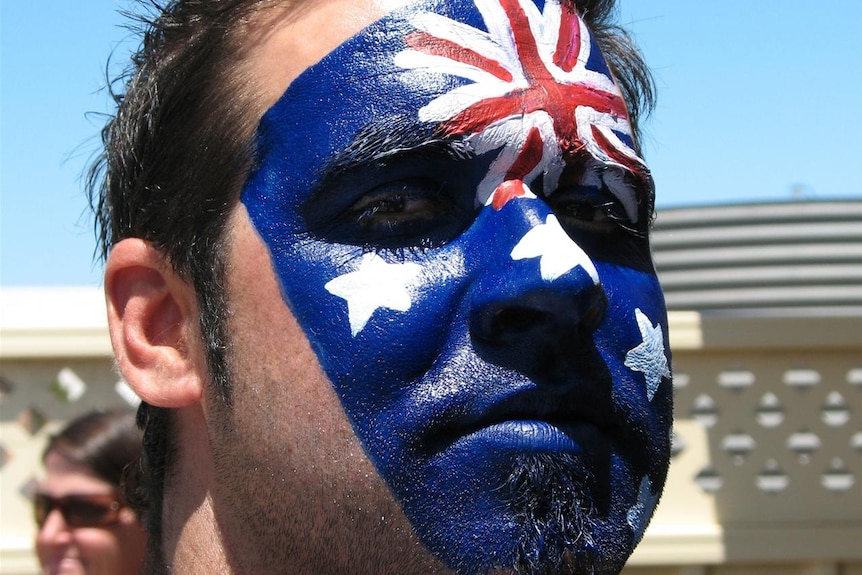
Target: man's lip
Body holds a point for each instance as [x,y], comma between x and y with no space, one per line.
[538,418]
[532,435]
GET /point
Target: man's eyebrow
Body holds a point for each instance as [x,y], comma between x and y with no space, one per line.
[385,140]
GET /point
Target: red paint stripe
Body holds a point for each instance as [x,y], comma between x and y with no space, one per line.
[435,46]
[531,63]
[599,100]
[568,41]
[482,114]
[529,156]
[505,192]
[633,165]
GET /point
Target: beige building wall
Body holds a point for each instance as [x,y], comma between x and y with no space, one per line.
[55,363]
[767,476]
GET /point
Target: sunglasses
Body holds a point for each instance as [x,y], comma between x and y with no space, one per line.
[98,510]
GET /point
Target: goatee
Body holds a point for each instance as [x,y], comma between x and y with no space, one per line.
[550,502]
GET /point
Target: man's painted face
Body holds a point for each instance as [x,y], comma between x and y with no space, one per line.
[458,219]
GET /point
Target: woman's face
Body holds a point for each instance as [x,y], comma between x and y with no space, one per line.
[67,550]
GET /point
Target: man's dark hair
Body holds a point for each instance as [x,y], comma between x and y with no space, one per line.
[179,148]
[175,156]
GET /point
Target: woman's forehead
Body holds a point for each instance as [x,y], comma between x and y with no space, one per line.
[64,476]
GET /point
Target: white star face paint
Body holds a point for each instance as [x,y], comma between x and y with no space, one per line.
[556,251]
[374,285]
[640,513]
[649,356]
[468,276]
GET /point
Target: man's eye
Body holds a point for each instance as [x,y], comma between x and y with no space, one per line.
[415,212]
[584,212]
[395,206]
[597,222]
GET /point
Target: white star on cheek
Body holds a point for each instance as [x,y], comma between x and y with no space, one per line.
[649,357]
[558,253]
[374,285]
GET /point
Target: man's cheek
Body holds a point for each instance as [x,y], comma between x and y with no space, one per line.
[372,316]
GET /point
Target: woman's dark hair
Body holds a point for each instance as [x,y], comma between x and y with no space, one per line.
[105,442]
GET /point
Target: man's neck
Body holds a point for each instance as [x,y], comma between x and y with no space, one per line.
[198,548]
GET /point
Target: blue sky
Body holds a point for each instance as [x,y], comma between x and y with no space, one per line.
[759,101]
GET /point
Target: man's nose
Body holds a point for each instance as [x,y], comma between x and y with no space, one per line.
[543,313]
[540,324]
[546,333]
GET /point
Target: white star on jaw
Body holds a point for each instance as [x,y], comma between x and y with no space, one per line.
[375,284]
[639,513]
[558,253]
[649,357]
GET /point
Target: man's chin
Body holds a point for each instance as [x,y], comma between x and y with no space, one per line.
[501,508]
[562,530]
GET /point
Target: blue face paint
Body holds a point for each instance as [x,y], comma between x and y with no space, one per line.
[458,219]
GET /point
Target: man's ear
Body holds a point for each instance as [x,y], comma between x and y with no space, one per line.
[153,322]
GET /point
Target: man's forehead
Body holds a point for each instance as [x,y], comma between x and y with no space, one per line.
[525,80]
[297,36]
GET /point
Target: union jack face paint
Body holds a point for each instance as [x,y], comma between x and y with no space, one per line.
[535,94]
[455,208]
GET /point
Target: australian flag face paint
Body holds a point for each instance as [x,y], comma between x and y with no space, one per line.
[458,219]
